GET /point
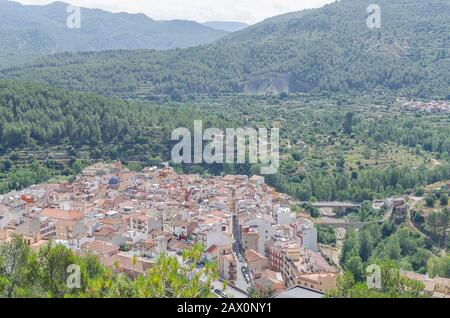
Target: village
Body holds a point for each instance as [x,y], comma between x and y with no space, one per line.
[129,218]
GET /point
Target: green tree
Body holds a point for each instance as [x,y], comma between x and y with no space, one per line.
[393,285]
[444,200]
[366,245]
[350,247]
[77,166]
[348,123]
[392,248]
[167,278]
[444,222]
[355,266]
[419,192]
[54,261]
[17,269]
[433,222]
[439,266]
[430,201]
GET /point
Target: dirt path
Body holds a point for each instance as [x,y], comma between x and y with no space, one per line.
[408,221]
[435,163]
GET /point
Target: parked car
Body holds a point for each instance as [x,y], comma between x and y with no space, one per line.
[220,293]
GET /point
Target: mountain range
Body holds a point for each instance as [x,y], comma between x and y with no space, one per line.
[325,49]
[34,30]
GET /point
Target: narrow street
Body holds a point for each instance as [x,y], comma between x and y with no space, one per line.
[230,291]
[240,281]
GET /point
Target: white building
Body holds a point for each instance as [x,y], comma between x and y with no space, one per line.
[265,230]
[307,234]
[283,215]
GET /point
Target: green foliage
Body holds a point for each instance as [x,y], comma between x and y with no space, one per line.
[24,273]
[437,226]
[165,279]
[348,123]
[443,200]
[366,242]
[366,213]
[419,192]
[355,266]
[439,266]
[22,177]
[393,285]
[53,262]
[313,211]
[350,247]
[400,245]
[326,235]
[430,201]
[392,249]
[17,269]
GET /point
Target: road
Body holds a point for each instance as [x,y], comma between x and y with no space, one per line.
[240,282]
[230,291]
[347,224]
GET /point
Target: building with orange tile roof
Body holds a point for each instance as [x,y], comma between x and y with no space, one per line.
[59,214]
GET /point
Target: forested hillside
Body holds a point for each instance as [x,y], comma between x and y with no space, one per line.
[325,49]
[37,116]
[28,31]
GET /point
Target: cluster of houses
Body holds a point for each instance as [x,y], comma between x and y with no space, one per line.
[437,287]
[128,218]
[434,106]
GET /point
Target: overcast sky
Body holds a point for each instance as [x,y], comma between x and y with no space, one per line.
[249,11]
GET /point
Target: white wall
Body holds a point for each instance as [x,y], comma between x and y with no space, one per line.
[265,231]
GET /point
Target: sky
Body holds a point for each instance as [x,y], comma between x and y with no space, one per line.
[248,11]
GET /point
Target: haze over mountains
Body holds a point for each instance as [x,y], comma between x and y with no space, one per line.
[226,26]
[325,49]
[30,30]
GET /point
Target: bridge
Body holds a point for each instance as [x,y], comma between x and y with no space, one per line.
[339,223]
